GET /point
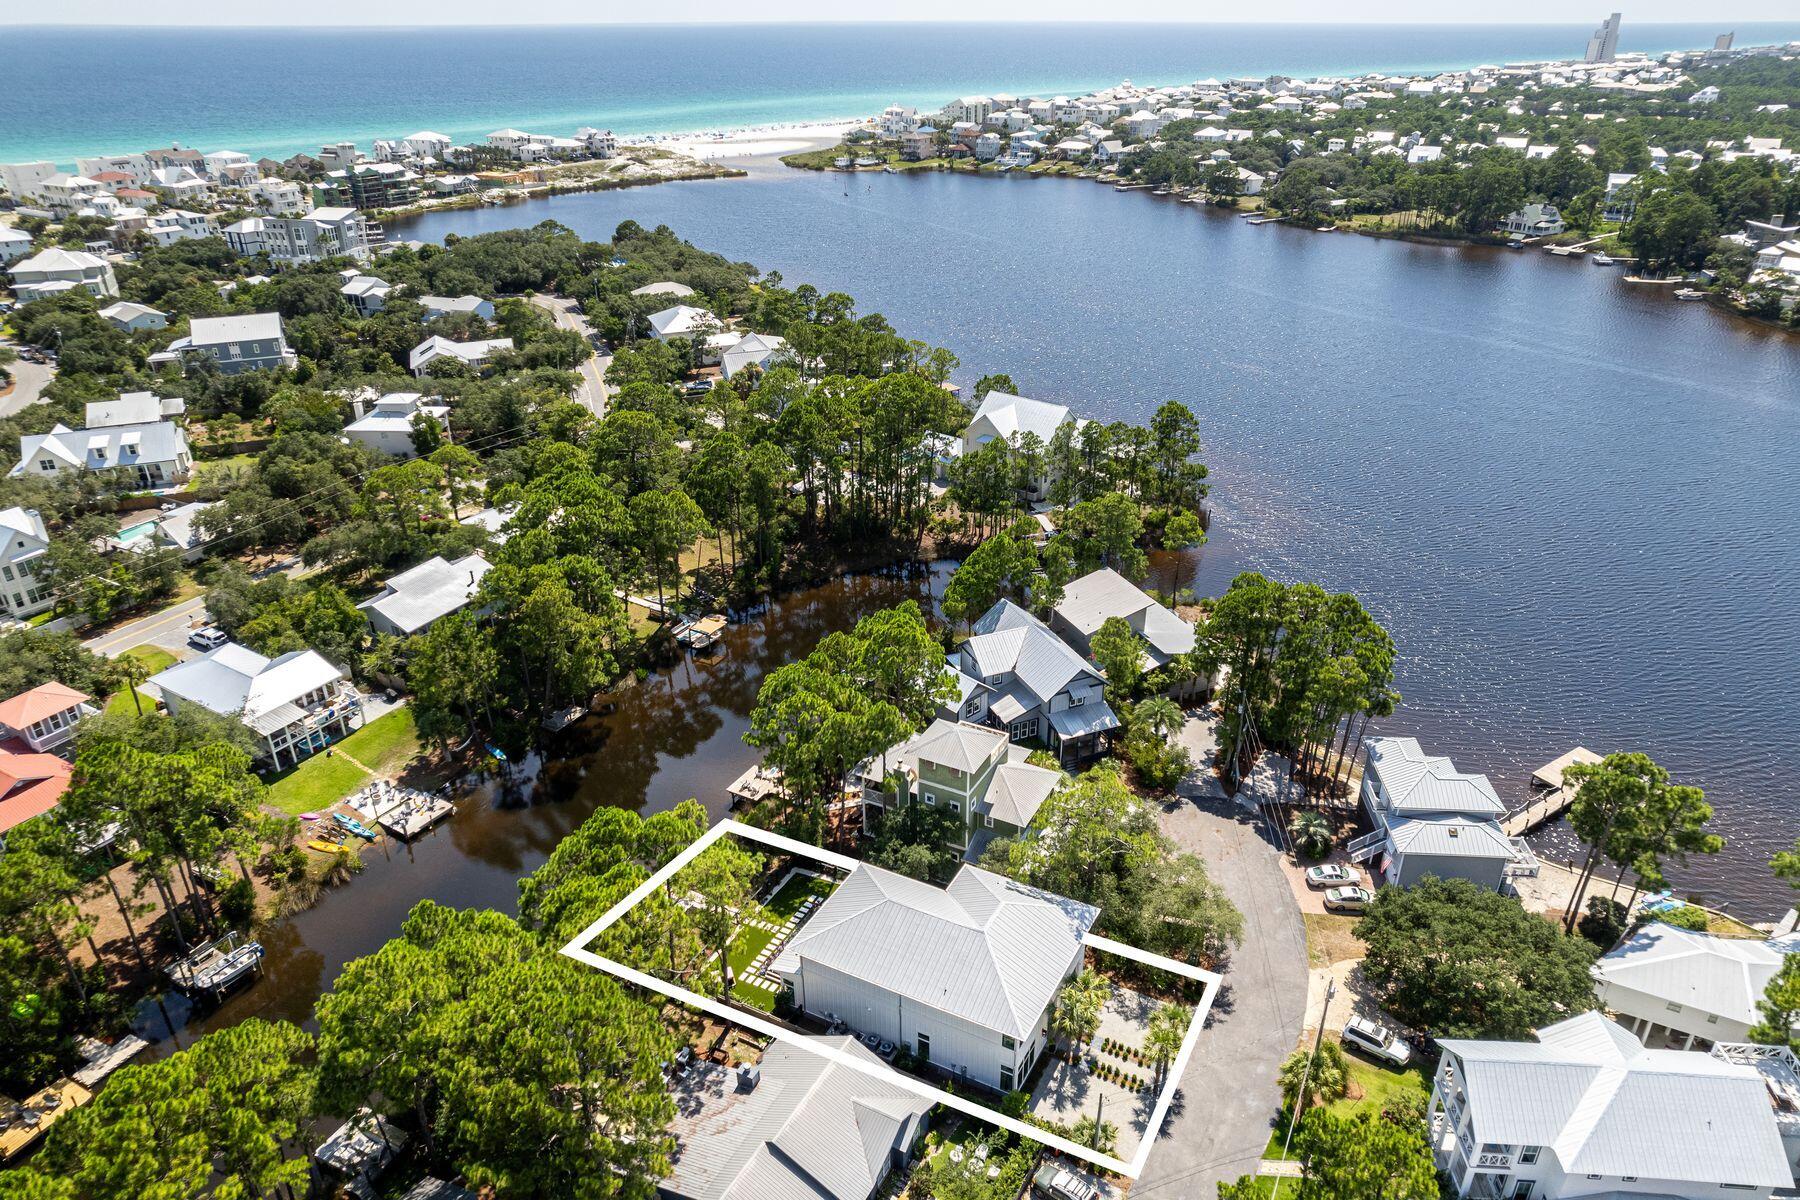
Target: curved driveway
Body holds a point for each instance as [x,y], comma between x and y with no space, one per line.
[1223,1113]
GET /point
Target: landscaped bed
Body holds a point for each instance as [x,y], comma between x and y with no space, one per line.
[792,894]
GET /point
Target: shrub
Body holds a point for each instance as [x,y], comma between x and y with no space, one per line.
[1604,922]
[238,902]
[1688,916]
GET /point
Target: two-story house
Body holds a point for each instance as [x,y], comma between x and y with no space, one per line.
[1099,596]
[24,541]
[154,453]
[387,427]
[46,716]
[1431,819]
[253,342]
[964,976]
[1009,419]
[971,771]
[1587,1111]
[295,704]
[50,272]
[1039,688]
[1685,989]
[30,786]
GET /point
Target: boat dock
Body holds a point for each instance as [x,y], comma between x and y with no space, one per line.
[213,967]
[756,784]
[1552,796]
[103,1060]
[700,633]
[21,1125]
[414,816]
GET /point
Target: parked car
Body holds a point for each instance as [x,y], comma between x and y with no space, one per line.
[1330,875]
[1060,1183]
[1348,899]
[209,638]
[1377,1041]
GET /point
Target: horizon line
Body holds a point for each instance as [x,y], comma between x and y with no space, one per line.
[947,20]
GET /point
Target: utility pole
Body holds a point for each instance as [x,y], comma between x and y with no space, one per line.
[1305,1078]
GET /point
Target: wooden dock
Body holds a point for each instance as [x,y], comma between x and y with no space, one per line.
[756,784]
[414,816]
[1551,797]
[23,1124]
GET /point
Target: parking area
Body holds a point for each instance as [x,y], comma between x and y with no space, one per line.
[1312,899]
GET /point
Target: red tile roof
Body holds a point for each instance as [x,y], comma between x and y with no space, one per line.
[30,786]
[47,699]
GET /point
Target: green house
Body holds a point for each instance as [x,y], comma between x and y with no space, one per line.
[973,770]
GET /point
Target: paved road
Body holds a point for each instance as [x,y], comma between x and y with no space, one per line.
[1228,1098]
[167,628]
[592,393]
[29,379]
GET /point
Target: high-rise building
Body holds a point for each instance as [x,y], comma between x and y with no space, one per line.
[1722,43]
[1604,45]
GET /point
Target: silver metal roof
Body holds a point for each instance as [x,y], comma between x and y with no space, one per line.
[985,949]
[1726,976]
[1418,783]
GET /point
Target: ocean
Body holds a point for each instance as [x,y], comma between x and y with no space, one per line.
[69,91]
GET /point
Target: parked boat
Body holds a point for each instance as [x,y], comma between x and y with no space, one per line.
[1602,260]
[214,966]
[1515,245]
[1689,294]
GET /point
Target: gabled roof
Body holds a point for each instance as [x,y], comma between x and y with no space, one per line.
[436,346]
[30,786]
[985,949]
[1418,783]
[58,260]
[1723,976]
[1010,641]
[959,746]
[1018,790]
[45,700]
[1013,415]
[436,587]
[667,287]
[235,679]
[809,1130]
[1450,836]
[26,522]
[103,448]
[1607,1106]
[682,319]
[1089,602]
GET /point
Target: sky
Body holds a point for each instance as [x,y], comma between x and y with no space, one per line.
[569,12]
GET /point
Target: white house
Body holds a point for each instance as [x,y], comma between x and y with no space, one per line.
[1008,417]
[1680,988]
[666,287]
[279,197]
[252,342]
[133,317]
[683,321]
[1534,220]
[445,306]
[1431,819]
[57,270]
[366,294]
[45,716]
[23,543]
[792,1125]
[1706,95]
[1041,689]
[387,428]
[752,350]
[1097,597]
[156,453]
[413,600]
[320,234]
[296,704]
[1586,1111]
[133,408]
[473,354]
[965,976]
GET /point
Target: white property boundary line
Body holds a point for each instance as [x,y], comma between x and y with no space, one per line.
[577,950]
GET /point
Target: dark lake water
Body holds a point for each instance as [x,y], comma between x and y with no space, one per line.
[1572,499]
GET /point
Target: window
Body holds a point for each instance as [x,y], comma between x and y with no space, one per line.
[956,807]
[1673,1007]
[972,707]
[1712,1018]
[1006,1079]
[1522,1190]
[987,820]
[925,1046]
[930,799]
[9,574]
[1006,1042]
[1529,1155]
[232,349]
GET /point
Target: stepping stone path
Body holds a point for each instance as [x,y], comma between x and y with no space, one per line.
[758,974]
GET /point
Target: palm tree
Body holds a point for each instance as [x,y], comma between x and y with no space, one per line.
[1162,1042]
[1078,1005]
[1160,715]
[1312,834]
[135,670]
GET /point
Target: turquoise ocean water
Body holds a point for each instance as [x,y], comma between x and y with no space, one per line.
[282,91]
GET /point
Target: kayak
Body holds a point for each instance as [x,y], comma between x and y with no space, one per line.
[309,816]
[354,826]
[496,751]
[325,847]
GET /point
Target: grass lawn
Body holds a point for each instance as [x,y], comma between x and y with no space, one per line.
[1373,1086]
[746,946]
[387,744]
[315,784]
[786,902]
[1329,940]
[154,659]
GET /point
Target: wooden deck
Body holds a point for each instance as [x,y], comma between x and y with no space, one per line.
[26,1123]
[1552,797]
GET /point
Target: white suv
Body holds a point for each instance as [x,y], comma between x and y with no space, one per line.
[1377,1041]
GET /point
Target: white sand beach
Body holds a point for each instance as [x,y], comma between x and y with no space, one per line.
[757,141]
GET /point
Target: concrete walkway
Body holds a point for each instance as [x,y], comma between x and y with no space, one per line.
[1219,1125]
